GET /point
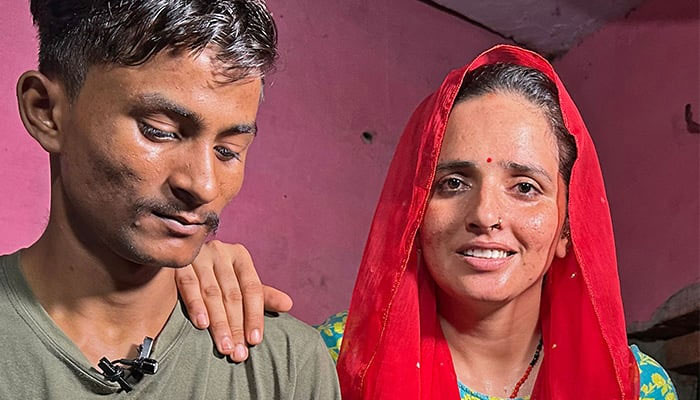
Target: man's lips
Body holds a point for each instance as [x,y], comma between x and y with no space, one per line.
[181,224]
[183,218]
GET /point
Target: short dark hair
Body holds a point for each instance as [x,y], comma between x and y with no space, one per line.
[534,86]
[75,35]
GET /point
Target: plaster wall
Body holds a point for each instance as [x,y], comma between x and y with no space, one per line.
[550,27]
[362,66]
[311,181]
[631,81]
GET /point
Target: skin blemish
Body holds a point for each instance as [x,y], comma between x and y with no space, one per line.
[488,160]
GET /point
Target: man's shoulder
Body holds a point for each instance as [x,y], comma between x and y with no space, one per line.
[10,260]
[15,298]
[282,329]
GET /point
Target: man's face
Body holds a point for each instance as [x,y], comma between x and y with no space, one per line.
[152,154]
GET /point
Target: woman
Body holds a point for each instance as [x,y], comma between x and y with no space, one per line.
[472,262]
[490,267]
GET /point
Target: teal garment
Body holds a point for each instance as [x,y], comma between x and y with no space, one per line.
[655,384]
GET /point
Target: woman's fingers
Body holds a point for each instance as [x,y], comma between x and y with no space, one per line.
[212,295]
[250,291]
[232,298]
[276,300]
[222,291]
[188,286]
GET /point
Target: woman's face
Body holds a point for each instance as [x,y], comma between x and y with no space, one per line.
[493,223]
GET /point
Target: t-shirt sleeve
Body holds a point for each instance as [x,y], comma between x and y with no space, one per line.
[655,384]
[317,378]
[331,331]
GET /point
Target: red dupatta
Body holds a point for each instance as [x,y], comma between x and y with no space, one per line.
[393,347]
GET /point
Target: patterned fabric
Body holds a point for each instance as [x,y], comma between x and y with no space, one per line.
[332,332]
[655,384]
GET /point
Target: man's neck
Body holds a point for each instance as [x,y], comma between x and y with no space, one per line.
[103,303]
[492,344]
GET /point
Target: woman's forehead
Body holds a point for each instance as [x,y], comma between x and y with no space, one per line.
[499,126]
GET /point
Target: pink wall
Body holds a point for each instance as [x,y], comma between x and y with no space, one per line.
[312,183]
[24,179]
[631,81]
[349,67]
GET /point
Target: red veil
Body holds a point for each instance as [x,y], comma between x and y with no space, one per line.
[393,347]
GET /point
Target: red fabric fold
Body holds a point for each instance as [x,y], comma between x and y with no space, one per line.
[393,347]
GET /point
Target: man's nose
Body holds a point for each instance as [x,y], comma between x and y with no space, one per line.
[194,180]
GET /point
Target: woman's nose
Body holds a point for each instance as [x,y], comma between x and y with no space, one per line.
[484,214]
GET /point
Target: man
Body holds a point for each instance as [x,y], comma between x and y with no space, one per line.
[147,109]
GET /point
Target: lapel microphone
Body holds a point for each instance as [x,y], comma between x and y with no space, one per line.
[136,367]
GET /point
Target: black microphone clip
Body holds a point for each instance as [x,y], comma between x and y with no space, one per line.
[114,373]
[143,364]
[137,367]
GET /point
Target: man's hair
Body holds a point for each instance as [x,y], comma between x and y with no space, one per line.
[75,35]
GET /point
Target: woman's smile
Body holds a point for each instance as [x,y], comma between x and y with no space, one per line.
[486,257]
[491,228]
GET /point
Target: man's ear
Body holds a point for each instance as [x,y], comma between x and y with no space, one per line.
[41,102]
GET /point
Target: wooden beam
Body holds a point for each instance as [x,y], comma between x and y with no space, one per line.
[682,354]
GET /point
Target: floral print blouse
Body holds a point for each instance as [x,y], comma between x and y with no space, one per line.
[655,383]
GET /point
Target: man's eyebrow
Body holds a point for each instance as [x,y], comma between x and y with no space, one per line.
[526,169]
[455,165]
[239,129]
[154,102]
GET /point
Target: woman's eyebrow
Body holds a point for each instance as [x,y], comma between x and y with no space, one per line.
[455,165]
[526,169]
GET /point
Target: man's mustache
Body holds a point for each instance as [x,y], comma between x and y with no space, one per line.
[145,206]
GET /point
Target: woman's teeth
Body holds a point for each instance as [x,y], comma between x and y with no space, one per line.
[486,253]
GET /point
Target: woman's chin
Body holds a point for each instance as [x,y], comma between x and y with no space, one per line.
[488,296]
[482,289]
[495,293]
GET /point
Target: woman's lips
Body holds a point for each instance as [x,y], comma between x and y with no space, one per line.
[485,259]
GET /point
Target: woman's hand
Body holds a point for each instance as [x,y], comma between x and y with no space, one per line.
[222,292]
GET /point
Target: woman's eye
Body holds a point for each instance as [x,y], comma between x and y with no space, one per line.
[452,184]
[225,154]
[155,133]
[526,188]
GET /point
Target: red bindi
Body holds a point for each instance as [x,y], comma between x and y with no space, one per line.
[488,159]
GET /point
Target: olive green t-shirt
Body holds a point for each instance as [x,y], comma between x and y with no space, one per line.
[38,361]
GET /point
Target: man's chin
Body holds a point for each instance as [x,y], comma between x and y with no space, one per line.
[175,255]
[174,259]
